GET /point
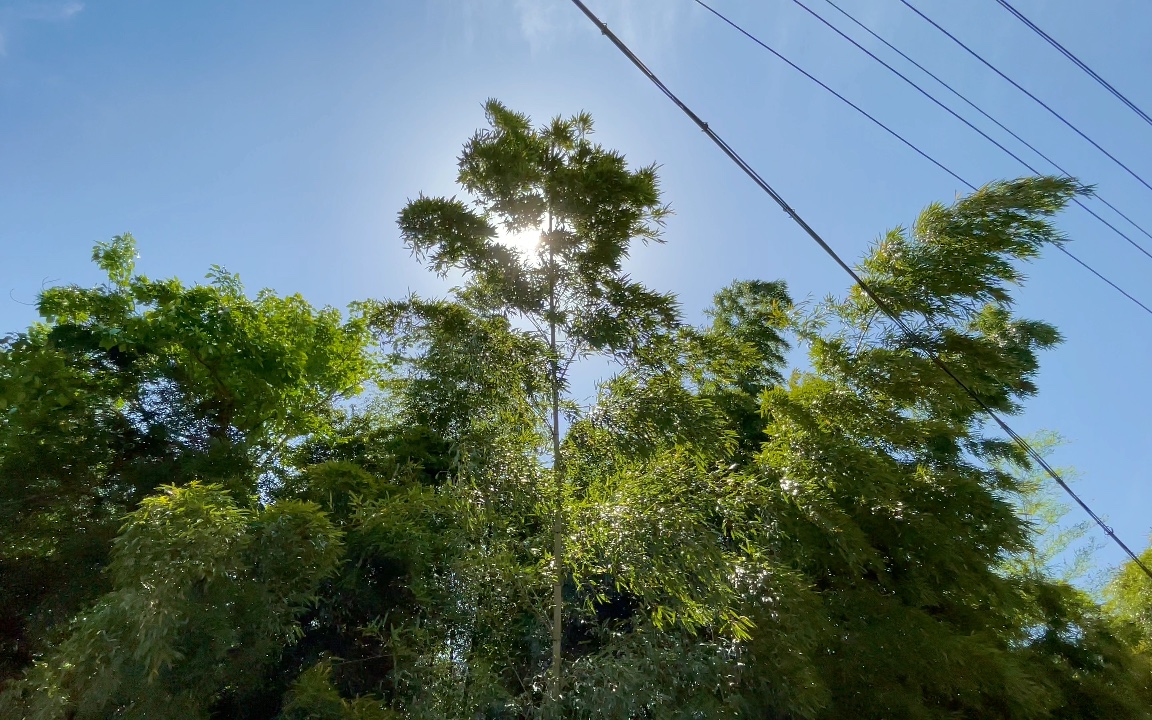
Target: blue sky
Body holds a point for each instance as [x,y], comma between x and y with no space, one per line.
[280,140]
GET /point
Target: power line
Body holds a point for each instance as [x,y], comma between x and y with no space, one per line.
[845,100]
[923,154]
[983,134]
[980,110]
[1076,61]
[1038,101]
[933,357]
[959,117]
[1092,270]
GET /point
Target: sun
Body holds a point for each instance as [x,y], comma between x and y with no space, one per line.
[525,242]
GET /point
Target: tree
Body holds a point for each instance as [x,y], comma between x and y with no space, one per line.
[871,479]
[1129,597]
[204,595]
[711,538]
[1056,549]
[886,490]
[588,207]
[1081,649]
[135,385]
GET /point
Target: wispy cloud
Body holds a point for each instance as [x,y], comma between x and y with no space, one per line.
[541,21]
[652,24]
[48,11]
[12,16]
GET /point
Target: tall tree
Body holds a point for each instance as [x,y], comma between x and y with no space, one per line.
[588,207]
[890,499]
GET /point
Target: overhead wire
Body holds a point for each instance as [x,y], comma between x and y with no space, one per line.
[925,155]
[935,359]
[989,117]
[849,103]
[971,126]
[1076,61]
[1021,88]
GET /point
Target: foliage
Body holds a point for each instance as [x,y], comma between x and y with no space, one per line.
[1057,549]
[137,384]
[586,204]
[588,207]
[204,594]
[1130,599]
[197,525]
[312,697]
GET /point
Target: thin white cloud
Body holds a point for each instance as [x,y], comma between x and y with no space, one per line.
[14,15]
[541,22]
[651,24]
[47,11]
[654,23]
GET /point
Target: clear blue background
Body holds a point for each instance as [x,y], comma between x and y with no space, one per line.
[280,139]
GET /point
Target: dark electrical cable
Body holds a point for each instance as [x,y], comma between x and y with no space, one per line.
[954,114]
[925,155]
[849,103]
[883,306]
[1092,270]
[966,122]
[1076,61]
[980,110]
[1017,85]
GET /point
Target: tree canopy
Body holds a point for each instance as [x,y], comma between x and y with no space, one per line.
[215,505]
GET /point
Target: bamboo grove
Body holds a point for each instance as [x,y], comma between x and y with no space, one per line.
[219,505]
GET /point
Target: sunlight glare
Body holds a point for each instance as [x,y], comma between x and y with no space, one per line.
[524,241]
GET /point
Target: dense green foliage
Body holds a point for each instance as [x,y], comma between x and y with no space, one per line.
[197,520]
[135,385]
